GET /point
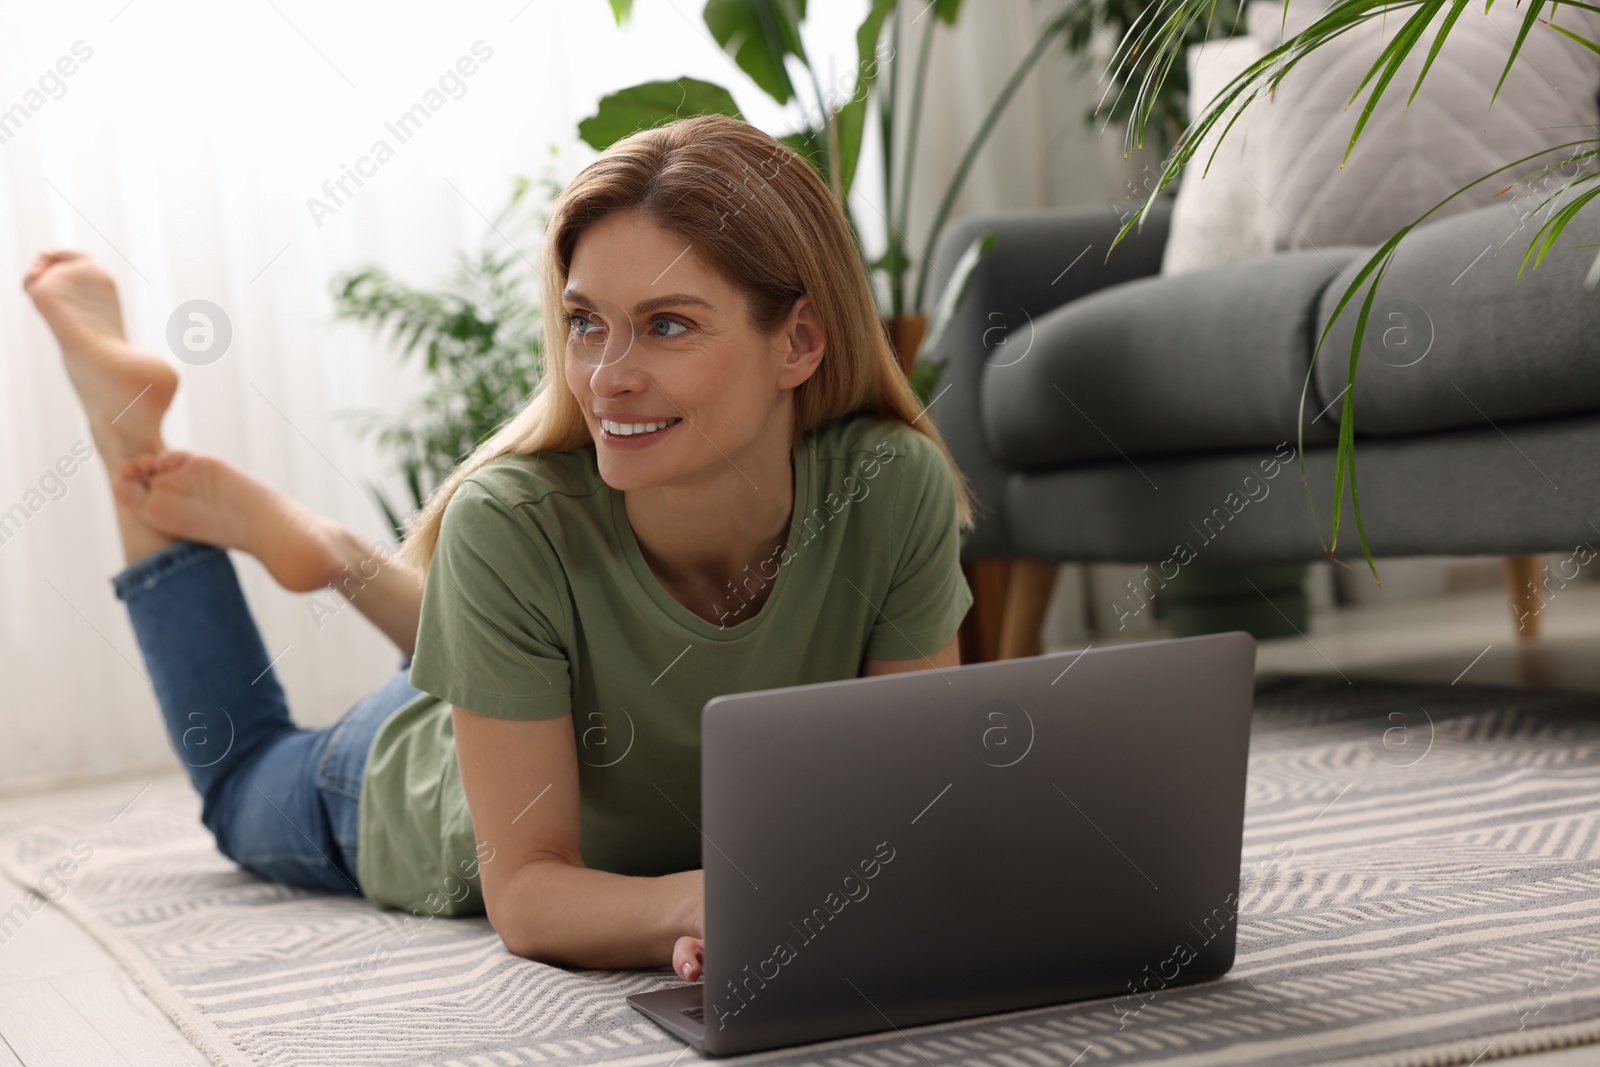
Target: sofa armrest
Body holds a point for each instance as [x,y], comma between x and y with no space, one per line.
[1039,262]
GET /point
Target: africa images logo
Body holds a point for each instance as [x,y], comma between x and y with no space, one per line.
[751,982]
[451,85]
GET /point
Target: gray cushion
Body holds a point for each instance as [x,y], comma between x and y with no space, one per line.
[1414,152]
[1214,214]
[1198,362]
[1501,350]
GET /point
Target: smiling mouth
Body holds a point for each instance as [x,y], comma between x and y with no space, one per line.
[631,429]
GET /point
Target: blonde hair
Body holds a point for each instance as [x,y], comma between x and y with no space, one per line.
[760,215]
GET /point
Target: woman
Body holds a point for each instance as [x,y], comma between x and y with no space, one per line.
[723,484]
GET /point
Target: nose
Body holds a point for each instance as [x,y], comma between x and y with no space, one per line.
[618,370]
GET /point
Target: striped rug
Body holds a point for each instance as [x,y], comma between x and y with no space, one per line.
[1421,885]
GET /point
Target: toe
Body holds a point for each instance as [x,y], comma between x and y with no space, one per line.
[129,492]
[47,259]
[169,461]
[146,466]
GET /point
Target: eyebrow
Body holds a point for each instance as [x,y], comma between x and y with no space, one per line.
[645,307]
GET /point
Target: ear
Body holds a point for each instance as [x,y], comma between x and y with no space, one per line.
[801,342]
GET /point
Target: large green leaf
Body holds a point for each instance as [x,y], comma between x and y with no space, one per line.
[651,104]
[760,35]
[851,120]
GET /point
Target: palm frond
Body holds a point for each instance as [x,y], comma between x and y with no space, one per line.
[479,341]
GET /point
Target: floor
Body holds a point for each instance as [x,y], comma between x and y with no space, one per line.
[63,1000]
[1467,637]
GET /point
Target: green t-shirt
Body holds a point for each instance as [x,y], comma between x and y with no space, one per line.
[538,603]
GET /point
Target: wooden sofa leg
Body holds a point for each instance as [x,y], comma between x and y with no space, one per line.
[1027,601]
[989,580]
[1522,580]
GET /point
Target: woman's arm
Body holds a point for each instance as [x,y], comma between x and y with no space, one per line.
[948,656]
[382,587]
[521,782]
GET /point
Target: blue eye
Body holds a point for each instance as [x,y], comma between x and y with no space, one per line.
[581,325]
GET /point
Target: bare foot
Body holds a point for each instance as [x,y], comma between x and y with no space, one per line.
[124,390]
[201,497]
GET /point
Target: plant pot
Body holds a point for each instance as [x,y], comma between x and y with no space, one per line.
[905,337]
[1263,599]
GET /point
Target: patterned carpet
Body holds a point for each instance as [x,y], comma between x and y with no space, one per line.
[1421,885]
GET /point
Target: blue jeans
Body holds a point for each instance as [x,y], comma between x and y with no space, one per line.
[280,800]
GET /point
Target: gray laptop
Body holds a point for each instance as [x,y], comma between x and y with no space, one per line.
[885,852]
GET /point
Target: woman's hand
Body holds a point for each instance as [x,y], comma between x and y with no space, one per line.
[689,951]
[689,957]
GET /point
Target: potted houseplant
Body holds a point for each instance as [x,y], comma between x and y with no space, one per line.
[478,341]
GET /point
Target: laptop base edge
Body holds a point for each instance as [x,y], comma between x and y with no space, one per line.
[666,1008]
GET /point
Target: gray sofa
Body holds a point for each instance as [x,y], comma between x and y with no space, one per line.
[1103,413]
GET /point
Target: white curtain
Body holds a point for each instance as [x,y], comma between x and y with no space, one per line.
[181,153]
